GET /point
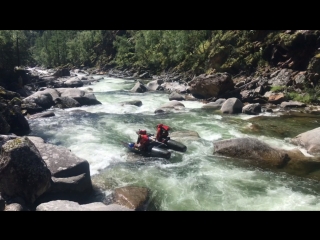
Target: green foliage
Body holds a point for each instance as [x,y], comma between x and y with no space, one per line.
[125,51]
[76,47]
[305,98]
[310,95]
[163,49]
[15,47]
[278,88]
[157,50]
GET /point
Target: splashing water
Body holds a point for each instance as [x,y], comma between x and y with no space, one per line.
[194,180]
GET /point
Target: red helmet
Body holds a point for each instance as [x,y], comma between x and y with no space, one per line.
[142,132]
[159,125]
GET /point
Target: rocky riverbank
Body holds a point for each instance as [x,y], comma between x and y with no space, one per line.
[38,176]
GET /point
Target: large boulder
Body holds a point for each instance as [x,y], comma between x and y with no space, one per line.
[135,198]
[176,96]
[53,92]
[262,155]
[208,86]
[66,102]
[73,82]
[22,170]
[81,96]
[310,140]
[155,85]
[4,126]
[250,148]
[18,123]
[175,86]
[37,102]
[139,87]
[167,107]
[252,109]
[11,117]
[232,106]
[70,174]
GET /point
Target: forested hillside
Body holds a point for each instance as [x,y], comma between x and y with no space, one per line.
[197,51]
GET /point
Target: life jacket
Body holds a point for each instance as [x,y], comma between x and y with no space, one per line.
[162,131]
[164,127]
[144,140]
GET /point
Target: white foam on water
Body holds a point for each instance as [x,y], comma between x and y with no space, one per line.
[194,180]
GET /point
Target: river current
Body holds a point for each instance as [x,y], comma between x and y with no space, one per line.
[196,180]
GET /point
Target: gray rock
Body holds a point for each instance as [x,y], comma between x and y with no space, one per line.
[64,205]
[42,115]
[23,171]
[232,106]
[310,140]
[137,103]
[252,109]
[70,174]
[176,96]
[139,87]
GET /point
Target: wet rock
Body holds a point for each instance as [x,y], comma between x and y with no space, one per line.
[252,109]
[64,205]
[310,140]
[176,96]
[216,104]
[250,148]
[139,87]
[137,103]
[83,97]
[155,85]
[172,105]
[232,106]
[135,198]
[66,102]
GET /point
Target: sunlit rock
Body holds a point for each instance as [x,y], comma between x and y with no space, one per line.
[135,198]
[22,170]
[310,140]
[231,106]
[64,205]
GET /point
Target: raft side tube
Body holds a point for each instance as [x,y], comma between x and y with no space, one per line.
[155,152]
[160,152]
[174,145]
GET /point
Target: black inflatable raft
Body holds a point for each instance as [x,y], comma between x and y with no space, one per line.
[154,152]
[172,144]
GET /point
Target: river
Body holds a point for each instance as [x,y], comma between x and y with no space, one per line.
[196,180]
